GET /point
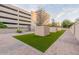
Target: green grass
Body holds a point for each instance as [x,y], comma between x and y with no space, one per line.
[38,42]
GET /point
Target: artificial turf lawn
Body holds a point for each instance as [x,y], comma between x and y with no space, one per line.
[38,42]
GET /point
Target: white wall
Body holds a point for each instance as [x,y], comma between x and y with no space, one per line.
[75,30]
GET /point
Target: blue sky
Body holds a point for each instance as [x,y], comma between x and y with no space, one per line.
[57,11]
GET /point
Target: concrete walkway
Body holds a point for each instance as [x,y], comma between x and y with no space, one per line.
[66,44]
[12,46]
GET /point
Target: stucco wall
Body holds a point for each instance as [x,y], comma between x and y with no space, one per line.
[75,30]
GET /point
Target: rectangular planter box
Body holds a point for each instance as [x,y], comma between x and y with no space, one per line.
[59,29]
[52,29]
[42,30]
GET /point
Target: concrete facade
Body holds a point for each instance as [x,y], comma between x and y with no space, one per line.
[75,30]
[9,15]
[42,30]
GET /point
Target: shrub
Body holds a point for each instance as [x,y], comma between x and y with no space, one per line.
[2,25]
[19,31]
[52,25]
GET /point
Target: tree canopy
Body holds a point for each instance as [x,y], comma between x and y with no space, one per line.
[42,17]
[66,23]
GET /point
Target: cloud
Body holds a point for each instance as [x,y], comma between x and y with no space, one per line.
[60,14]
[71,10]
[68,12]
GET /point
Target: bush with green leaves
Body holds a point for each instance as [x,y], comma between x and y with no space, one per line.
[2,25]
[52,25]
[19,31]
[67,23]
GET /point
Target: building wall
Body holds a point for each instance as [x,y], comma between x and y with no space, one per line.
[75,30]
[34,17]
[9,16]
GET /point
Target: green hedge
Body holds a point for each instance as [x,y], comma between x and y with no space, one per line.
[2,25]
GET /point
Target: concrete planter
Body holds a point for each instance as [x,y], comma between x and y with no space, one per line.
[59,29]
[52,29]
[42,30]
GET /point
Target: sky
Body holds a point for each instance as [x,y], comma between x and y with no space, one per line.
[58,12]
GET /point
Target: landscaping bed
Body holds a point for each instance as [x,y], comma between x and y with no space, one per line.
[39,42]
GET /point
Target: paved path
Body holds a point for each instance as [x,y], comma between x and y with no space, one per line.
[11,46]
[66,44]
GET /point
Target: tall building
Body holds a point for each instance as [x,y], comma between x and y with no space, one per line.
[14,16]
[34,17]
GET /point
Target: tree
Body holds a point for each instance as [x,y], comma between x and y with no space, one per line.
[77,19]
[66,23]
[53,23]
[42,17]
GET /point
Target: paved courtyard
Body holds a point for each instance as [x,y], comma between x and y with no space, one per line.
[66,44]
